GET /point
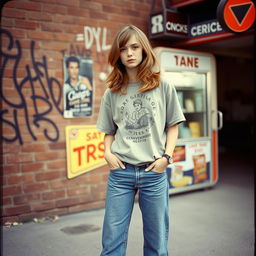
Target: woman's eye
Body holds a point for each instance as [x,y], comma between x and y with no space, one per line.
[122,49]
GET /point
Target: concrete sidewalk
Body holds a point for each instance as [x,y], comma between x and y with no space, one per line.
[217,221]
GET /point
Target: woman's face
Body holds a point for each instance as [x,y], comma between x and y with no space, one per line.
[131,53]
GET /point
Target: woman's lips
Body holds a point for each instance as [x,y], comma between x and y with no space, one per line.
[131,60]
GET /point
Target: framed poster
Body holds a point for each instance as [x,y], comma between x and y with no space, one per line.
[78,87]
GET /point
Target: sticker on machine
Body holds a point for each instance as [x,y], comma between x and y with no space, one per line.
[191,164]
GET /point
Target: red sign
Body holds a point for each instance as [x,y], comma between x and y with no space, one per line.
[236,15]
[186,61]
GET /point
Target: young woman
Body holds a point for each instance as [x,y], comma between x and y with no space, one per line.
[139,115]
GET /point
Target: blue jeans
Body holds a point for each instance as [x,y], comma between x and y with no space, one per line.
[153,191]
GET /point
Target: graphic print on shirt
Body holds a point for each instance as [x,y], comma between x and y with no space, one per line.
[138,113]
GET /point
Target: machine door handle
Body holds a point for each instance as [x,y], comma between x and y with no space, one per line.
[220,115]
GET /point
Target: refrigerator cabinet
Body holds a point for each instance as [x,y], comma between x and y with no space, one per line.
[196,154]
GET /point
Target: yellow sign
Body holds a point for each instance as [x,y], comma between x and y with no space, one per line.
[85,149]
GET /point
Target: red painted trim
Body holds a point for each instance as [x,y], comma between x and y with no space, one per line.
[209,38]
[182,3]
[214,156]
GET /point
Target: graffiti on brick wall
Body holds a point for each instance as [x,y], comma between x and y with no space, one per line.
[34,95]
[97,35]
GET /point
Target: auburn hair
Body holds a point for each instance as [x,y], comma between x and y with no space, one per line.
[117,80]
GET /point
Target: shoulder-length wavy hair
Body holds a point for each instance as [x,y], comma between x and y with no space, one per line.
[117,80]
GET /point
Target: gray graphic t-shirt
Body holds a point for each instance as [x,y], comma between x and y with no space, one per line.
[139,121]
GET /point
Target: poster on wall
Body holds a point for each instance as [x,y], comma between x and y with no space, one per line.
[78,87]
[191,164]
[85,149]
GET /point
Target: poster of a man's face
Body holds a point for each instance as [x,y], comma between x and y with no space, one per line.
[78,87]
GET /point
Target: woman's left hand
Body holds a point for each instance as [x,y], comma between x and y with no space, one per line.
[159,165]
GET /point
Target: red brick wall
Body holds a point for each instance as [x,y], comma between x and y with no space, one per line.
[34,167]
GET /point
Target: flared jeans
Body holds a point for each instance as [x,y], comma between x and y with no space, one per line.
[153,189]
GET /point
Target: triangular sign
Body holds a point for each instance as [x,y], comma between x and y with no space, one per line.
[240,11]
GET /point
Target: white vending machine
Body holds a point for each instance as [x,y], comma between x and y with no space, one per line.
[196,155]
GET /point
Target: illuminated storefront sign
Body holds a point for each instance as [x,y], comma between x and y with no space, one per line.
[205,28]
[174,25]
[233,16]
[184,62]
[168,24]
[85,149]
